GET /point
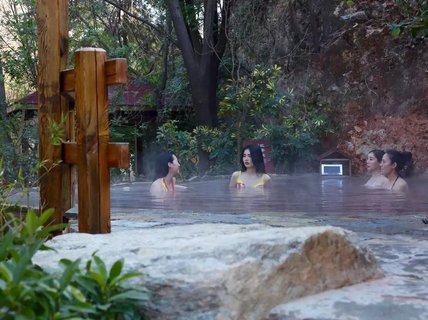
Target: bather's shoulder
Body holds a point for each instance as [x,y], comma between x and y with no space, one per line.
[266,180]
[236,174]
[401,186]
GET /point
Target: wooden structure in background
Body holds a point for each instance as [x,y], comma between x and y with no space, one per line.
[334,163]
[133,102]
[91,152]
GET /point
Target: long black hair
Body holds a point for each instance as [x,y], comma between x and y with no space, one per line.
[256,157]
[161,165]
[404,161]
[378,154]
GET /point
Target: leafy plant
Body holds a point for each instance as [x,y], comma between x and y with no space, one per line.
[182,143]
[255,108]
[18,139]
[251,101]
[57,129]
[221,149]
[296,132]
[416,22]
[29,292]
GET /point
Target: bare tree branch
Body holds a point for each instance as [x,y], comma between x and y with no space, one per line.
[148,23]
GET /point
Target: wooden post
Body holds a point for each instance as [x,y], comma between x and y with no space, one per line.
[92,151]
[52,21]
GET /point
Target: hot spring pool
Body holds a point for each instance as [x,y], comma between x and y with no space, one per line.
[311,194]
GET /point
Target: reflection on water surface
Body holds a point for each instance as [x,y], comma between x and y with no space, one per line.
[306,193]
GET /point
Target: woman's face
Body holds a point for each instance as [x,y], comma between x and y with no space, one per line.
[387,166]
[174,166]
[372,164]
[246,159]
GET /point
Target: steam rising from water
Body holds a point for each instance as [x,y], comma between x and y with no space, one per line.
[304,193]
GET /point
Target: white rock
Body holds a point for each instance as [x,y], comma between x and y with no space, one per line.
[220,271]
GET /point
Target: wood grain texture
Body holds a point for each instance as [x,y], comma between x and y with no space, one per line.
[87,76]
[54,181]
[116,71]
[118,155]
[93,153]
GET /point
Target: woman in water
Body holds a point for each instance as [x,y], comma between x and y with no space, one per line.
[377,180]
[166,168]
[252,172]
[392,166]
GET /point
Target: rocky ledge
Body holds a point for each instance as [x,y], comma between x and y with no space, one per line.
[225,271]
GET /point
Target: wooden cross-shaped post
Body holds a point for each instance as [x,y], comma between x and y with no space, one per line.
[92,152]
[55,177]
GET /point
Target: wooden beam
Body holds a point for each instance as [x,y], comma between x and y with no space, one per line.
[70,152]
[52,23]
[116,72]
[118,155]
[67,80]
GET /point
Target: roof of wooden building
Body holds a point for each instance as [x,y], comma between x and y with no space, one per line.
[133,95]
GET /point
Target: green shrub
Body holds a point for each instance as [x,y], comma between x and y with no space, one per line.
[29,292]
[255,108]
[18,140]
[220,147]
[416,20]
[180,142]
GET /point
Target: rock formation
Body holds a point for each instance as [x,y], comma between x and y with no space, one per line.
[222,271]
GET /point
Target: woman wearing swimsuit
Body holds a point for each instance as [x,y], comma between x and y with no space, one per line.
[393,162]
[252,173]
[377,180]
[166,168]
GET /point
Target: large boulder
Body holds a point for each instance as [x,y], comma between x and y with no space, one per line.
[220,271]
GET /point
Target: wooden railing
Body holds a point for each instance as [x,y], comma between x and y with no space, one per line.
[85,131]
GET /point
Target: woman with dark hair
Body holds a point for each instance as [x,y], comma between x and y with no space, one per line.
[394,164]
[252,172]
[166,168]
[377,180]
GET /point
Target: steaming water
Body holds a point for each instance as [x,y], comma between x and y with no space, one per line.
[310,194]
[338,201]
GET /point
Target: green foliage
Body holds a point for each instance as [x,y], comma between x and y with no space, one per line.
[348,3]
[296,132]
[177,89]
[220,147]
[254,108]
[416,22]
[29,292]
[57,130]
[99,24]
[19,151]
[18,42]
[249,102]
[182,143]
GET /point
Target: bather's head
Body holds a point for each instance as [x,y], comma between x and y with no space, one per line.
[166,163]
[374,159]
[394,161]
[252,156]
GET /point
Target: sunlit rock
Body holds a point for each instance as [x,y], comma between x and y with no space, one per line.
[221,271]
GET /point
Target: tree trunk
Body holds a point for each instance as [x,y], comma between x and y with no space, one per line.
[203,84]
[3,103]
[202,53]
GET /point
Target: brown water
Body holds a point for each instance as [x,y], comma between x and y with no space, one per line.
[304,193]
